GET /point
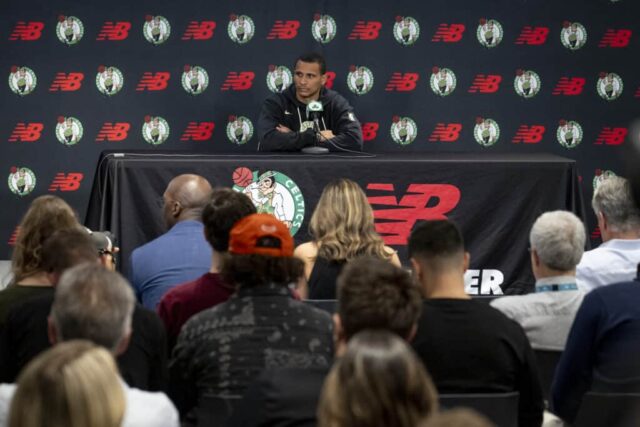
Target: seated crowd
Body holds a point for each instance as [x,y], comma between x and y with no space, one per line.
[225,330]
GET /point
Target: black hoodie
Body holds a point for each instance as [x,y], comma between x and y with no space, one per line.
[285,109]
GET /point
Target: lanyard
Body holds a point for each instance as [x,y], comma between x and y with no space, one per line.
[557,288]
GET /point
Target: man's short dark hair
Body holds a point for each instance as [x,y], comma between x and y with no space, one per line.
[66,248]
[375,294]
[435,239]
[246,271]
[225,208]
[313,57]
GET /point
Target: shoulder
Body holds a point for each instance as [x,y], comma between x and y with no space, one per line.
[306,250]
[511,304]
[149,409]
[335,99]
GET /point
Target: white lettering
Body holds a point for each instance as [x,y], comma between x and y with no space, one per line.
[483,282]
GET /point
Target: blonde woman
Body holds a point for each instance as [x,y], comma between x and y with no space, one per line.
[379,382]
[342,229]
[74,384]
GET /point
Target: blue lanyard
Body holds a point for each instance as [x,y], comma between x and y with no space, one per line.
[557,288]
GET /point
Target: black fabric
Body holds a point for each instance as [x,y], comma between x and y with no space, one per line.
[470,347]
[323,279]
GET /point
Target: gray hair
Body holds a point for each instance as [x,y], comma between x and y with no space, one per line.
[558,238]
[613,198]
[93,303]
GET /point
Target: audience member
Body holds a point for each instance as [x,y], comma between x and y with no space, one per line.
[222,349]
[617,258]
[378,382]
[104,242]
[557,243]
[467,345]
[182,253]
[342,229]
[458,417]
[223,210]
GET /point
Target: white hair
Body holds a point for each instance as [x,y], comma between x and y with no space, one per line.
[558,238]
[614,199]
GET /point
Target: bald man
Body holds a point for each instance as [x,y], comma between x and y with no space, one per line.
[182,253]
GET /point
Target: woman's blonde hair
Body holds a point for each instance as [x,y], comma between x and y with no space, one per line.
[342,224]
[379,382]
[46,215]
[74,384]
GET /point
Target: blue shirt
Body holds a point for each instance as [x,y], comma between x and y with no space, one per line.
[180,255]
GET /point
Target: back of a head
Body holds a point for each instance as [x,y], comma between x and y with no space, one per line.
[614,199]
[458,417]
[224,209]
[558,238]
[93,303]
[378,382]
[66,248]
[192,191]
[438,244]
[73,384]
[311,58]
[375,294]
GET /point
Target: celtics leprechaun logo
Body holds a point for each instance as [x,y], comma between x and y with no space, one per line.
[486,131]
[403,130]
[406,30]
[573,35]
[240,28]
[569,133]
[443,81]
[239,129]
[489,32]
[109,80]
[69,30]
[323,28]
[22,80]
[156,29]
[21,181]
[194,79]
[155,130]
[609,86]
[359,79]
[69,130]
[527,83]
[278,78]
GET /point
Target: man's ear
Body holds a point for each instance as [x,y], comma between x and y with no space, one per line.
[467,260]
[338,331]
[323,79]
[417,268]
[123,344]
[176,208]
[535,258]
[52,331]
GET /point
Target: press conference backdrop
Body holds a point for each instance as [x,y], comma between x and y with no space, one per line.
[433,76]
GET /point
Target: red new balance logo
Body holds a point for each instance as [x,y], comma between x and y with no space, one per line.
[615,38]
[448,33]
[66,82]
[114,31]
[153,81]
[569,86]
[446,132]
[26,132]
[68,182]
[529,134]
[202,30]
[27,31]
[113,132]
[14,237]
[596,234]
[637,94]
[402,82]
[370,131]
[482,83]
[284,30]
[331,76]
[400,219]
[198,131]
[612,136]
[238,81]
[365,30]
[533,35]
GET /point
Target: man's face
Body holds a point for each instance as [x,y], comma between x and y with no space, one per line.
[308,81]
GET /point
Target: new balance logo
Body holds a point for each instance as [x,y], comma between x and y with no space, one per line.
[569,86]
[370,131]
[68,182]
[153,81]
[284,30]
[14,237]
[27,31]
[616,38]
[66,82]
[199,30]
[198,131]
[402,82]
[596,234]
[533,36]
[612,136]
[448,33]
[365,30]
[26,132]
[238,81]
[446,132]
[114,31]
[529,134]
[331,76]
[637,94]
[113,132]
[482,83]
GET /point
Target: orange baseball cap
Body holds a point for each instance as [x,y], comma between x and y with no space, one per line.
[260,234]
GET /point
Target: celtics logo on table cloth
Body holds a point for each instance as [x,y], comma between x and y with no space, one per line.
[406,30]
[609,86]
[155,130]
[403,130]
[486,131]
[489,32]
[240,28]
[156,29]
[109,80]
[323,28]
[569,133]
[239,129]
[69,30]
[601,176]
[573,35]
[443,81]
[527,83]
[69,130]
[21,181]
[359,79]
[278,78]
[194,79]
[22,80]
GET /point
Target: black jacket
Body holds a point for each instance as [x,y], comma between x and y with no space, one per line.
[285,109]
